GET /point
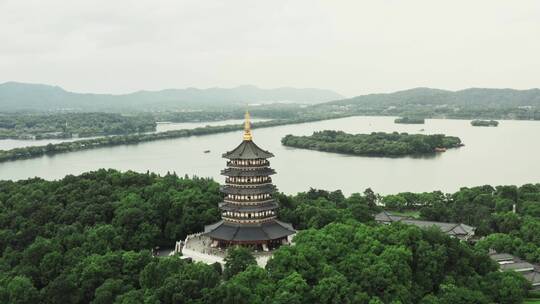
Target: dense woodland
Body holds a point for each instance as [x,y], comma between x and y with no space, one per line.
[94,143]
[487,208]
[86,239]
[49,125]
[374,144]
[67,125]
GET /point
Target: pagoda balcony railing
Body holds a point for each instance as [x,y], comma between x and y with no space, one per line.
[247,181]
[247,165]
[248,202]
[252,220]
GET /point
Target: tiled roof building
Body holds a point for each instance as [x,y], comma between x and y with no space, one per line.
[457,230]
[508,262]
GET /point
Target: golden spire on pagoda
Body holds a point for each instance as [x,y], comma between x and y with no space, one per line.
[247,127]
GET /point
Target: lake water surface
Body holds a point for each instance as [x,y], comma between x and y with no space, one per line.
[508,154]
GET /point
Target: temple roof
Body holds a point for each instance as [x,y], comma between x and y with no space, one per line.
[448,228]
[247,150]
[266,188]
[226,206]
[455,229]
[533,277]
[265,171]
[500,257]
[518,266]
[388,217]
[249,232]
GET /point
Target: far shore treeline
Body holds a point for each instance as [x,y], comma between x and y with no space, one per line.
[374,144]
[65,147]
[59,125]
[71,125]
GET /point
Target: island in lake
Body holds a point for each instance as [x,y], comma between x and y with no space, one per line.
[374,144]
[484,123]
[410,120]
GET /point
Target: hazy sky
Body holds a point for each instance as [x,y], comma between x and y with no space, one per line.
[352,47]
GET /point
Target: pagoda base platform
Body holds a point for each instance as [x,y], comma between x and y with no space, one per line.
[272,233]
[200,247]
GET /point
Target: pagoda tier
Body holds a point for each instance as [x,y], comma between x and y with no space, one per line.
[248,191]
[248,210]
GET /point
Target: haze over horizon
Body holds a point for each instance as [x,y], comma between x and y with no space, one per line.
[348,47]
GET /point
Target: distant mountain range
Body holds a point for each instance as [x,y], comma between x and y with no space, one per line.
[474,97]
[16,96]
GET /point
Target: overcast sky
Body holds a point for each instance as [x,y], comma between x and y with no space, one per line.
[352,47]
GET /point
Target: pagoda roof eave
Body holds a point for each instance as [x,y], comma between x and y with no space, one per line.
[247,150]
[232,232]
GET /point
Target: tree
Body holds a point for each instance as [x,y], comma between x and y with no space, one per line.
[62,290]
[430,299]
[21,291]
[506,287]
[451,294]
[530,231]
[188,284]
[371,198]
[231,292]
[109,290]
[132,296]
[507,222]
[238,259]
[292,289]
[157,270]
[394,202]
[250,286]
[359,207]
[531,209]
[333,290]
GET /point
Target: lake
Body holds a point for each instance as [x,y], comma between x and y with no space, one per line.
[508,154]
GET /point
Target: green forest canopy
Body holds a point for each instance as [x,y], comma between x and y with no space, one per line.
[374,144]
[86,238]
[66,125]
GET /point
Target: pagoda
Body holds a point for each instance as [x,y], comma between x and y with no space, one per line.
[248,210]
